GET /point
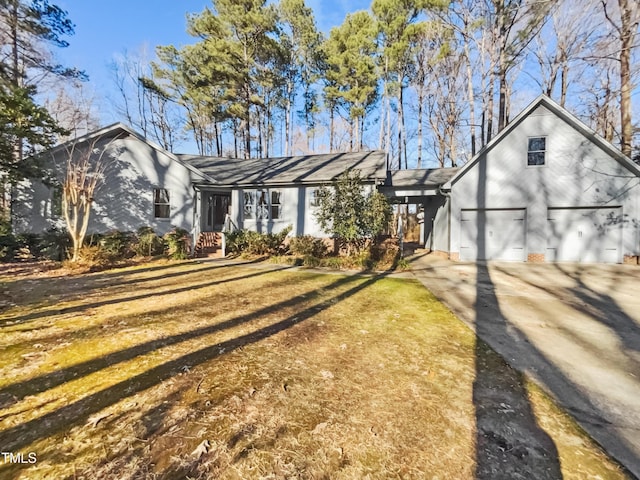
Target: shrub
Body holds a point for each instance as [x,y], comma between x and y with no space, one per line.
[254,243]
[306,245]
[8,247]
[177,241]
[54,243]
[148,243]
[118,245]
[90,258]
[236,241]
[386,254]
[311,261]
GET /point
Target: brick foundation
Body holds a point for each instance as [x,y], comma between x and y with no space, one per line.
[631,259]
[535,257]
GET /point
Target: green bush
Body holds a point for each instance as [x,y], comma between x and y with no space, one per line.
[254,243]
[177,241]
[306,246]
[54,244]
[118,245]
[236,242]
[28,246]
[8,247]
[148,243]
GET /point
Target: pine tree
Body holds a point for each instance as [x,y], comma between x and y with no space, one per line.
[27,28]
[351,71]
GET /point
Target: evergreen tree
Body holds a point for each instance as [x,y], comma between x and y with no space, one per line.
[351,71]
[26,29]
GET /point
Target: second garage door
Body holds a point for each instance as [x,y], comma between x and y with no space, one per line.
[493,235]
[584,235]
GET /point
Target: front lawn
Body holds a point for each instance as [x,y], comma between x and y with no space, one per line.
[200,370]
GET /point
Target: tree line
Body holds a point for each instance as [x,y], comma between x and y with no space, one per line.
[430,81]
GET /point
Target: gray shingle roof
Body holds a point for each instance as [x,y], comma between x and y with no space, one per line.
[427,177]
[286,170]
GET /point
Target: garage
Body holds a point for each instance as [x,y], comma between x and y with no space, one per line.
[493,234]
[588,235]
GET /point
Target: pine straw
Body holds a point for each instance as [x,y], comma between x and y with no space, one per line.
[198,371]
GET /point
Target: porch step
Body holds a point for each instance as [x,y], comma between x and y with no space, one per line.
[208,245]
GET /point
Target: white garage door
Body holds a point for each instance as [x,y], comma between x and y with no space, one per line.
[492,235]
[586,235]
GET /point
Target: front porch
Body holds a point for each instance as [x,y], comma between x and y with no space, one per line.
[212,208]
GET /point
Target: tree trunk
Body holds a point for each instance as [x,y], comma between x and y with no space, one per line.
[404,132]
[502,106]
[563,84]
[420,102]
[382,113]
[472,116]
[627,32]
[218,146]
[235,138]
[331,127]
[502,65]
[489,112]
[351,133]
[247,132]
[287,122]
[259,122]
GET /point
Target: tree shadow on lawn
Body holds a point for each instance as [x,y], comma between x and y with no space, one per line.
[21,319]
[56,286]
[11,394]
[75,413]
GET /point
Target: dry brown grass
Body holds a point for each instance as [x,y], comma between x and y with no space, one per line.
[206,371]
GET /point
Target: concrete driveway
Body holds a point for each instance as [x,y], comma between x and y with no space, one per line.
[574,328]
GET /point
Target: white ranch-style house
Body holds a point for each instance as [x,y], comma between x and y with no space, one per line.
[546,188]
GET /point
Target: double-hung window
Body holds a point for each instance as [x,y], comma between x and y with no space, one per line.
[161,204]
[314,197]
[262,204]
[536,151]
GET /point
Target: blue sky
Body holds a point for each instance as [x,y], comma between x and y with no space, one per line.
[107,29]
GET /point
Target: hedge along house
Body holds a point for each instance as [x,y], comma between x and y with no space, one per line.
[145,185]
[546,188]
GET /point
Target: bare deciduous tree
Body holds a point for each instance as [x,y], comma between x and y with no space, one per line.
[86,164]
[625,27]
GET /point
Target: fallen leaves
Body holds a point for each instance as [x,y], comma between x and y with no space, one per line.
[201,449]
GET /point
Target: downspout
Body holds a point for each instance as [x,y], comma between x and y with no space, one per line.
[446,195]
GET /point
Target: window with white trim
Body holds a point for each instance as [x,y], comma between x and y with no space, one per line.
[262,204]
[161,203]
[314,197]
[536,151]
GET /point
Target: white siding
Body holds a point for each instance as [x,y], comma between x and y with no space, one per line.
[577,173]
[124,200]
[296,211]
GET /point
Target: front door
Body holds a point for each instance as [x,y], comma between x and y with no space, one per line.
[216,207]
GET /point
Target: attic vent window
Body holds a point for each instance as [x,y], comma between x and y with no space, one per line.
[536,152]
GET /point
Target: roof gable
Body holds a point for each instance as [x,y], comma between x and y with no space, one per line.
[119,129]
[546,103]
